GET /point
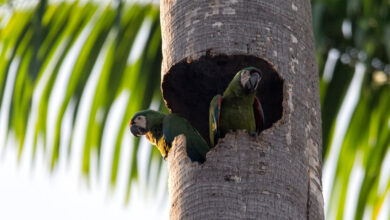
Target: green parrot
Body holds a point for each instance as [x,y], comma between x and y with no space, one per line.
[161,129]
[238,107]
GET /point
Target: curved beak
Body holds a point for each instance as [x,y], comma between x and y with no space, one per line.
[137,131]
[253,82]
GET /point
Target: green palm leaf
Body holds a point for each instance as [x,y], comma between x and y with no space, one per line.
[366,141]
[69,44]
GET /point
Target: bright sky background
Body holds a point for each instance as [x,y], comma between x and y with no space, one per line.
[29,191]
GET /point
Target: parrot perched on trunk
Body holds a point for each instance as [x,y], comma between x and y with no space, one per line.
[161,129]
[238,107]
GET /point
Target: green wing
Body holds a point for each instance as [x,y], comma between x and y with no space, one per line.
[197,147]
[214,117]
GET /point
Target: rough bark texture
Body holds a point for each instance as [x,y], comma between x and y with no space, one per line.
[278,174]
[241,179]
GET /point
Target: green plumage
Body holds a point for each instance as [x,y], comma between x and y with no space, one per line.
[161,130]
[237,109]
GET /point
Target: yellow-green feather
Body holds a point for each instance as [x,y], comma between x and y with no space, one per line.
[236,111]
[164,128]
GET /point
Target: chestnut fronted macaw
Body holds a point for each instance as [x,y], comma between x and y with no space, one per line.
[237,108]
[161,129]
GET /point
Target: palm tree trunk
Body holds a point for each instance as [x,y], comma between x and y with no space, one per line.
[276,175]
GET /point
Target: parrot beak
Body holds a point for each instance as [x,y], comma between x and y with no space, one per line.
[137,131]
[253,82]
[138,125]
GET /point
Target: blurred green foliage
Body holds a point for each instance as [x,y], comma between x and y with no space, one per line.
[360,31]
[37,40]
[40,39]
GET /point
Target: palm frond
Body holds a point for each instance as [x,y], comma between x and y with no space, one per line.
[58,49]
[358,31]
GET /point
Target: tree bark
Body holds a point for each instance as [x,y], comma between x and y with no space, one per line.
[276,175]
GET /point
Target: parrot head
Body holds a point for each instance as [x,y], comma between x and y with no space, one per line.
[143,121]
[249,79]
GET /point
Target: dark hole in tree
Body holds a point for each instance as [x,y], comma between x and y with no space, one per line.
[189,87]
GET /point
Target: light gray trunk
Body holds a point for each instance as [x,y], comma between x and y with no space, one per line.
[276,175]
